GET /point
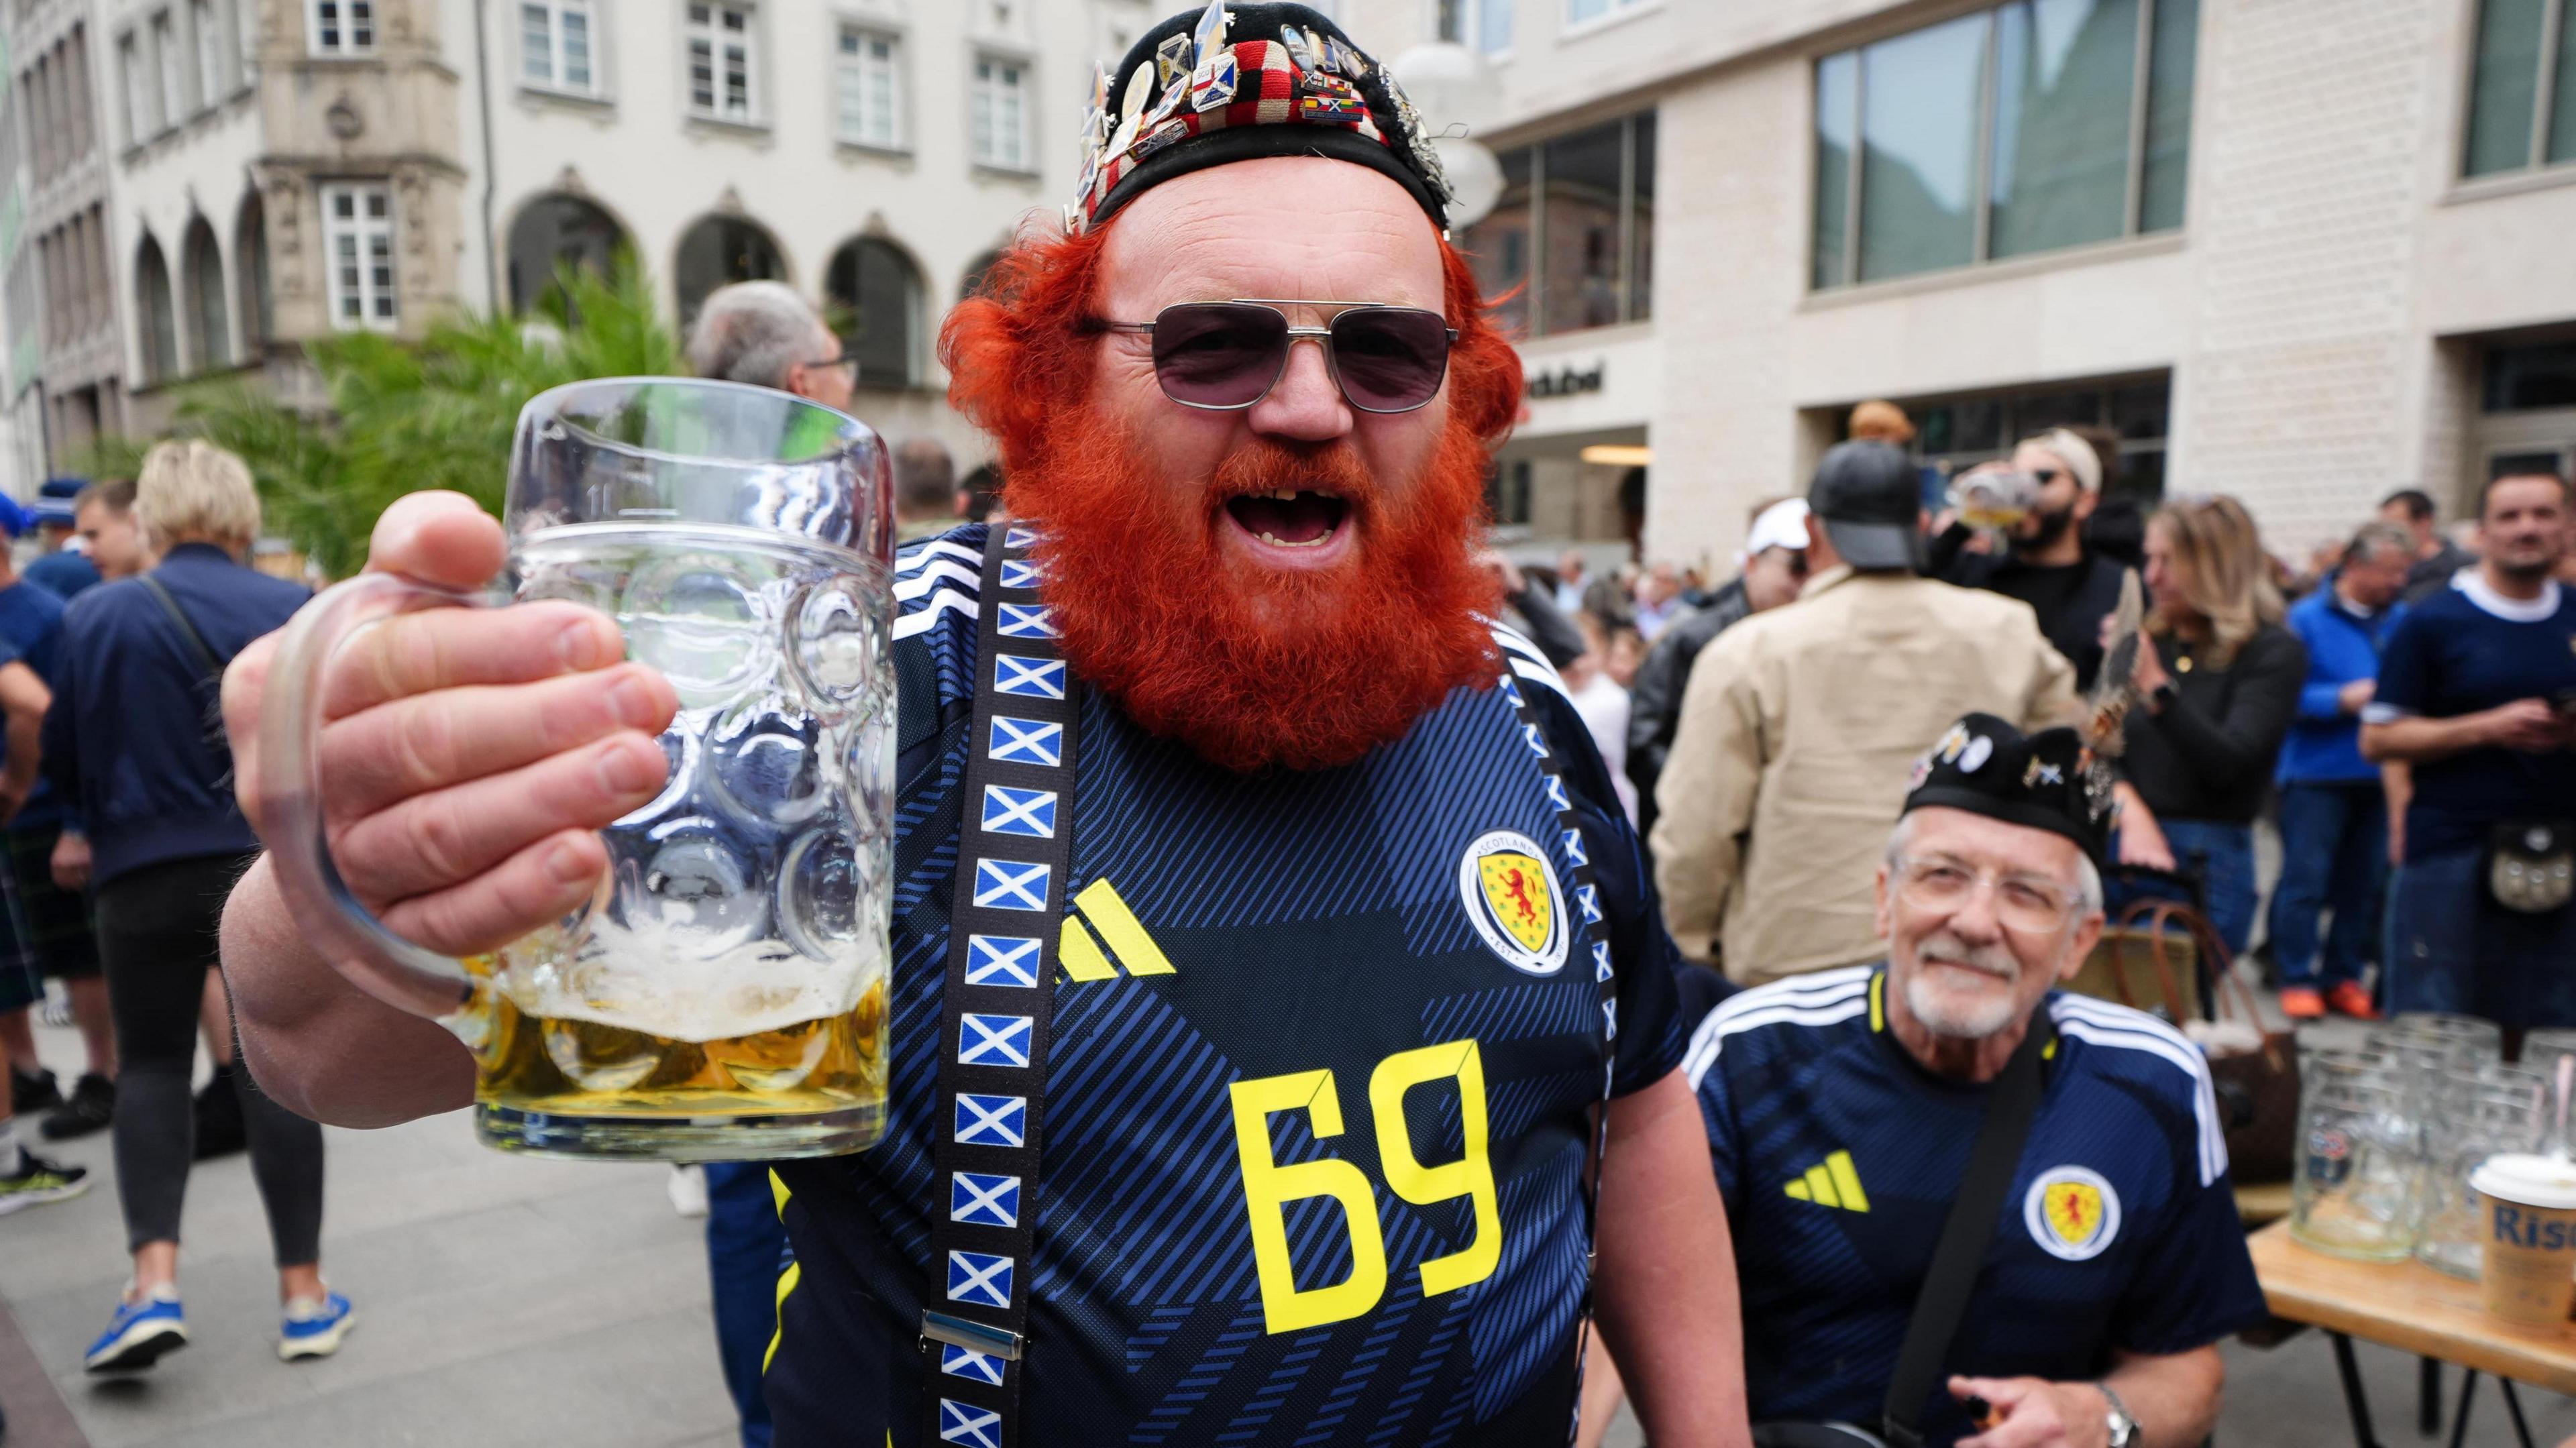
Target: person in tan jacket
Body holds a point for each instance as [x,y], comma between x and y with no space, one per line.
[1800,727]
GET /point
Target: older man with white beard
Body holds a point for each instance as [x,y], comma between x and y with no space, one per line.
[1847,1111]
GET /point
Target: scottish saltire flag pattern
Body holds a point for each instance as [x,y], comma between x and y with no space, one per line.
[1834,1151]
[1263,958]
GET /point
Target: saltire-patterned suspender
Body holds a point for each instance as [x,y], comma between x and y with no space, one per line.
[1593,945]
[1014,852]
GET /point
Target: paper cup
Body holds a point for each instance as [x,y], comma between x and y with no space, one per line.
[2529,1206]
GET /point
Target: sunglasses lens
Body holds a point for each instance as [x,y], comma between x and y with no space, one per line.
[1218,354]
[1391,359]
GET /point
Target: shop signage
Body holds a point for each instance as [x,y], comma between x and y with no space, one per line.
[1567,381]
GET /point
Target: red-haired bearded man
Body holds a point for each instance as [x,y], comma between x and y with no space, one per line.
[1355,947]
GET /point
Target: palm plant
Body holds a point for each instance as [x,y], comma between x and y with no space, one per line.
[404,416]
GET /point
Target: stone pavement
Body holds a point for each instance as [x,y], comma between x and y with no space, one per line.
[502,1303]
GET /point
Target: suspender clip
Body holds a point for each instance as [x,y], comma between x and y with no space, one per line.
[991,1341]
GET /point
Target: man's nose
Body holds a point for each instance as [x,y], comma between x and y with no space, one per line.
[1307,404]
[1975,921]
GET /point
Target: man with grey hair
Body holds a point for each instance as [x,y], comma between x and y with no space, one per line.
[925,489]
[2334,815]
[764,334]
[1846,1110]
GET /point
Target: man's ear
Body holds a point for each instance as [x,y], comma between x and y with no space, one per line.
[2088,932]
[1886,925]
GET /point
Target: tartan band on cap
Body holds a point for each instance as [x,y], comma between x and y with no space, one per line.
[1237,83]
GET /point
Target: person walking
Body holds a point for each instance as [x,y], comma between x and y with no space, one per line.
[1800,726]
[47,926]
[2334,816]
[2477,696]
[2218,679]
[127,739]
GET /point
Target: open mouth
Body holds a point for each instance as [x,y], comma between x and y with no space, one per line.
[1289,518]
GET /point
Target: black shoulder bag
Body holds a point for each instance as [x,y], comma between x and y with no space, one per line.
[1956,1259]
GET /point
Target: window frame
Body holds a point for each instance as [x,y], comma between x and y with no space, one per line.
[170,67]
[347,46]
[712,32]
[898,81]
[554,83]
[1618,11]
[2554,20]
[1634,310]
[1982,161]
[206,43]
[1025,91]
[364,230]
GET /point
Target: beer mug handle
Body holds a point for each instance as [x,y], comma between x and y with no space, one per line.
[289,787]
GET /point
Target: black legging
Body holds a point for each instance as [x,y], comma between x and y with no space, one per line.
[157,937]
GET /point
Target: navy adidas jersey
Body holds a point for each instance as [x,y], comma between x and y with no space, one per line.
[1838,1155]
[1293,933]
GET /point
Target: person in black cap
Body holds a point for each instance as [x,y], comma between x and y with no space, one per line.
[1841,1110]
[1354,943]
[1798,726]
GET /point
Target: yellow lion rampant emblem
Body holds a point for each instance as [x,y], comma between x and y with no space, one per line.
[1512,899]
[1516,887]
[2072,1212]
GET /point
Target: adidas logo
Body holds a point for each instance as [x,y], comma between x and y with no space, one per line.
[1124,934]
[1831,1183]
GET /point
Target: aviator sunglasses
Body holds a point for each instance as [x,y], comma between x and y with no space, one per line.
[1227,356]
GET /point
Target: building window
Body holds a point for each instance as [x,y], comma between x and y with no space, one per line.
[555,45]
[872,293]
[358,245]
[2035,126]
[1573,234]
[1958,432]
[1583,12]
[867,79]
[209,329]
[250,267]
[172,63]
[207,34]
[721,60]
[718,251]
[160,321]
[1484,25]
[1001,113]
[2522,87]
[340,27]
[1507,492]
[142,94]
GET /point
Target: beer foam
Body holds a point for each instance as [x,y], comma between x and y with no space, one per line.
[741,992]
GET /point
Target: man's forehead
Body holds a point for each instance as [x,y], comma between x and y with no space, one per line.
[1970,836]
[1291,227]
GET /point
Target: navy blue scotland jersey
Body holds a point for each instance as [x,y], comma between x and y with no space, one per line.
[1838,1154]
[1317,1104]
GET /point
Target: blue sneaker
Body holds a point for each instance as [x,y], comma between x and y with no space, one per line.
[314,1329]
[140,1333]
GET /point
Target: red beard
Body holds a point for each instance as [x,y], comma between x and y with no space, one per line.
[1299,669]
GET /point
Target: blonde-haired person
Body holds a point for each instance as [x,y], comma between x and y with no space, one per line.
[127,740]
[2218,684]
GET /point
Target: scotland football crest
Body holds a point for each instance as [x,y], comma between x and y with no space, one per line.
[1511,895]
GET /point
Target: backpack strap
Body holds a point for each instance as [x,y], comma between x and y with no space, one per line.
[206,656]
[1965,1234]
[1014,857]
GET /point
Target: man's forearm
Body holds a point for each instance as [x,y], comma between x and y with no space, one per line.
[1666,1273]
[318,1044]
[2420,741]
[2174,1398]
[25,734]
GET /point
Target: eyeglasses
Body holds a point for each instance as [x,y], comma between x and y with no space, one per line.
[2029,904]
[1227,356]
[848,362]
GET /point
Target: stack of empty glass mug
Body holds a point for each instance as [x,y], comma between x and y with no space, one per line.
[2390,1133]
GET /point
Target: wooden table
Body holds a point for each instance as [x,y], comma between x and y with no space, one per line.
[2412,1308]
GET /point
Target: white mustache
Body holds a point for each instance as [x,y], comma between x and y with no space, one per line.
[1991,960]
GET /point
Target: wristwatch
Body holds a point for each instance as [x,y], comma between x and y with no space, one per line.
[2124,1429]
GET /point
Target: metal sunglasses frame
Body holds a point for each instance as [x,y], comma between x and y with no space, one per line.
[1323,337]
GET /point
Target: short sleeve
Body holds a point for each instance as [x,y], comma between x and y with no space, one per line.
[1649,1044]
[1717,1112]
[2405,671]
[2195,1283]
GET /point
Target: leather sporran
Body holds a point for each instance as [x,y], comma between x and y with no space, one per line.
[2531,865]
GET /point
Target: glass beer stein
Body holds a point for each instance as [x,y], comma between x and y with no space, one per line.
[722,996]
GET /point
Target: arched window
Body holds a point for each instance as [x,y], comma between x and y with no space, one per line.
[250,272]
[719,251]
[975,274]
[210,342]
[554,232]
[873,292]
[159,324]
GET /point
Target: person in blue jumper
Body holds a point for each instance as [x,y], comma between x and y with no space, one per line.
[2334,817]
[2477,693]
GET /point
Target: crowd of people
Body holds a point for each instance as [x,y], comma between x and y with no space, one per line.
[1896,781]
[1765,756]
